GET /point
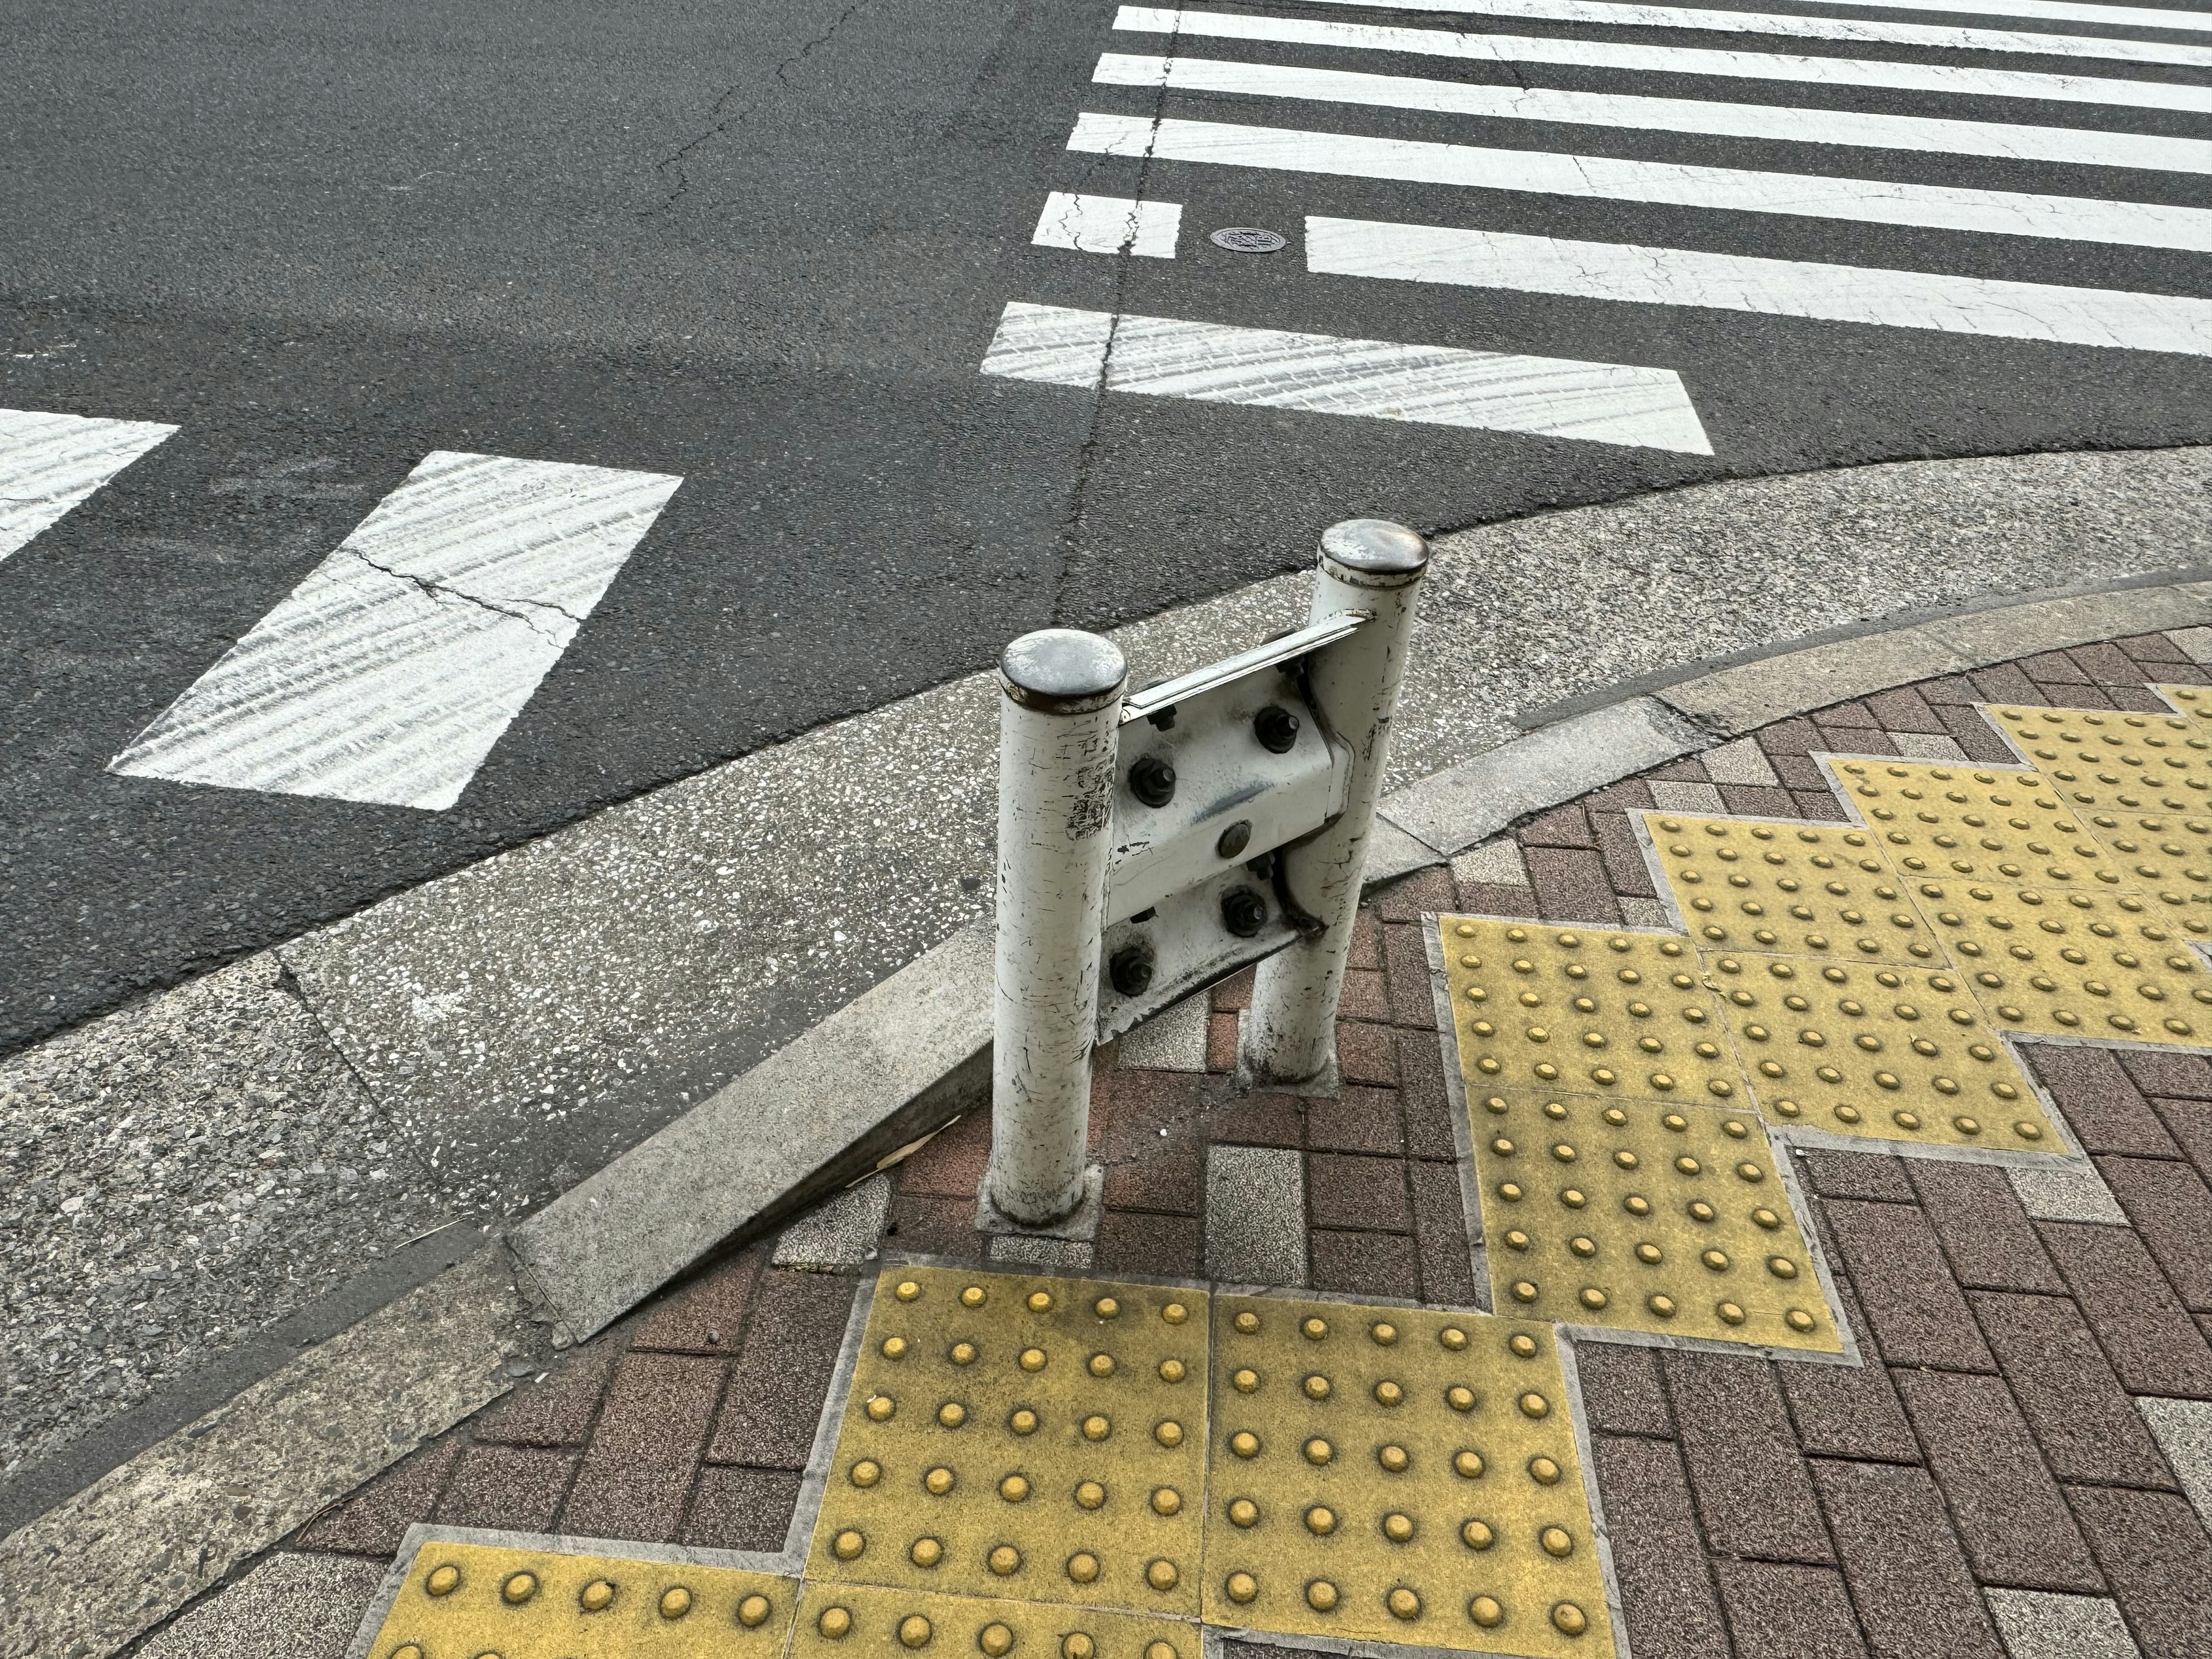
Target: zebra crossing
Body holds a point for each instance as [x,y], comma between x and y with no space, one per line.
[1492,204]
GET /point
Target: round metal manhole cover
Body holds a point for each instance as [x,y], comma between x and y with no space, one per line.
[1247,239]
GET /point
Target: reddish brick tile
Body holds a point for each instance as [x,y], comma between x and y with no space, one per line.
[2106,1111]
[1367,1053]
[2088,1428]
[1572,885]
[1680,771]
[1363,1264]
[1856,740]
[1845,714]
[1428,889]
[935,1227]
[1624,868]
[2152,648]
[1751,1482]
[1421,1097]
[2156,1554]
[374,1518]
[1987,1236]
[1486,899]
[791,1352]
[2008,1508]
[1139,1243]
[1621,1391]
[2172,1208]
[1818,806]
[1948,690]
[2065,693]
[736,1509]
[636,1473]
[1411,1001]
[517,1488]
[704,1315]
[1758,800]
[2143,1328]
[2186,1076]
[1344,1191]
[951,1165]
[1800,772]
[1977,737]
[1666,1590]
[2053,668]
[2182,673]
[1235,993]
[1221,1034]
[1849,1411]
[2190,1123]
[1257,1120]
[1440,1234]
[1794,736]
[1904,710]
[1629,795]
[1915,1593]
[1563,826]
[2005,683]
[1167,1173]
[1366,940]
[2107,665]
[557,1412]
[1357,1120]
[1364,996]
[1913,1305]
[1789,1612]
[1857,1175]
[1133,1107]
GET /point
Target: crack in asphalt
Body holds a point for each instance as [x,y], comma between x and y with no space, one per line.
[438,593]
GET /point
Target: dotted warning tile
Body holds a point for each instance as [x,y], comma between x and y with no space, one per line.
[2114,967]
[1389,1475]
[1887,1054]
[841,1621]
[1023,1437]
[464,1599]
[1643,1215]
[1810,890]
[1990,823]
[2194,701]
[1544,1007]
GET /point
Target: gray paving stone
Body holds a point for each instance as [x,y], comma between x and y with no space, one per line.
[842,1231]
[1173,1040]
[1687,798]
[2067,1192]
[1645,913]
[1927,745]
[2041,1625]
[1496,863]
[2183,1428]
[1255,1215]
[1741,761]
[289,1607]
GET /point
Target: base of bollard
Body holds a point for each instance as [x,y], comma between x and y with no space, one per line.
[1327,1084]
[1080,1223]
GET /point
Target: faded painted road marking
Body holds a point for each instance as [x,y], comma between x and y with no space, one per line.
[1774,287]
[1108,224]
[1166,357]
[50,463]
[389,673]
[1869,201]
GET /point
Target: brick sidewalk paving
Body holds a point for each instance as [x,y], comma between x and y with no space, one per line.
[2012,1469]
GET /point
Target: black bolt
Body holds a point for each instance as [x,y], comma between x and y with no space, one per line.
[1263,867]
[1276,728]
[1234,838]
[1163,720]
[1243,912]
[1151,780]
[1131,970]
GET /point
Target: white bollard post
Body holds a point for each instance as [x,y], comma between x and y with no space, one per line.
[1370,565]
[1059,726]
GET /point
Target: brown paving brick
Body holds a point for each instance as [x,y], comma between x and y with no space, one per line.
[1666,1590]
[2152,648]
[1563,826]
[2190,1123]
[1908,1577]
[1421,1097]
[1429,889]
[1344,1191]
[517,1487]
[1440,1234]
[934,1226]
[2155,1552]
[1571,885]
[2053,668]
[1357,1120]
[1974,734]
[636,1473]
[1221,1035]
[2186,1076]
[1166,1173]
[1845,714]
[1621,1391]
[1624,868]
[1799,772]
[1481,899]
[1850,1411]
[2140,1323]
[1819,805]
[2171,1207]
[791,1352]
[1751,1486]
[1129,1106]
[1948,690]
[2107,1111]
[1235,993]
[1794,736]
[736,1509]
[1788,1613]
[1680,771]
[1364,996]
[2106,664]
[2138,698]
[1406,959]
[1857,1175]
[2183,673]
[1990,1242]
[1363,1264]
[1904,709]
[1139,1243]
[1856,740]
[374,1519]
[952,1164]
[2005,683]
[2065,693]
[1367,1053]
[1913,1305]
[1366,940]
[1257,1120]
[704,1315]
[2088,1428]
[557,1412]
[1758,800]
[2008,1508]
[1629,795]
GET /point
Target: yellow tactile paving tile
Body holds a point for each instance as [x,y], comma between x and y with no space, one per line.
[1808,890]
[2111,967]
[1023,1437]
[1927,818]
[1399,1475]
[1887,1053]
[2194,701]
[1644,1215]
[844,1621]
[1541,1006]
[460,1601]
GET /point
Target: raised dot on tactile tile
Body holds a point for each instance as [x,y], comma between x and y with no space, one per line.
[597,1597]
[1318,1452]
[1729,1313]
[1569,1620]
[1524,1289]
[1162,1575]
[1174,1313]
[1015,1488]
[1321,1520]
[1593,1297]
[1244,1381]
[1398,1528]
[914,1631]
[1101,1364]
[406,1651]
[1168,1432]
[894,1347]
[753,1612]
[1096,1427]
[951,1415]
[880,1407]
[442,1581]
[1459,1396]
[1523,1345]
[1395,1459]
[1767,1219]
[906,1291]
[1782,1267]
[1477,1534]
[1556,1540]
[1543,1471]
[1320,1595]
[974,1297]
[1388,1392]
[1701,1211]
[1382,1333]
[1661,1306]
[1244,1443]
[1313,1327]
[963,1353]
[675,1602]
[1240,1586]
[1004,1560]
[1798,1319]
[1486,1612]
[1316,1387]
[1076,1645]
[926,1552]
[519,1588]
[1082,1567]
[849,1545]
[996,1640]
[1533,1404]
[1032,1359]
[1022,1421]
[1452,1338]
[2027,1131]
[1403,1603]
[1247,1323]
[1107,1307]
[835,1623]
[1160,1649]
[938,1481]
[1040,1301]
[1166,1500]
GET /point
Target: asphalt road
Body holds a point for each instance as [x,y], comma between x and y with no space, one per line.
[765,250]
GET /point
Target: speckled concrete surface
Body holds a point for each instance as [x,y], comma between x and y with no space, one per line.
[291,1606]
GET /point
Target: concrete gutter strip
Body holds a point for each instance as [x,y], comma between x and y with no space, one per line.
[93,1573]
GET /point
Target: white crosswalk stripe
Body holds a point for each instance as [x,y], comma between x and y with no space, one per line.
[50,463]
[2053,11]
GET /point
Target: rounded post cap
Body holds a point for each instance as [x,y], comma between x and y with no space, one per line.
[1375,552]
[1063,671]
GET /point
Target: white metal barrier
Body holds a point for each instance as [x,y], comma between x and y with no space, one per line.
[1150,843]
